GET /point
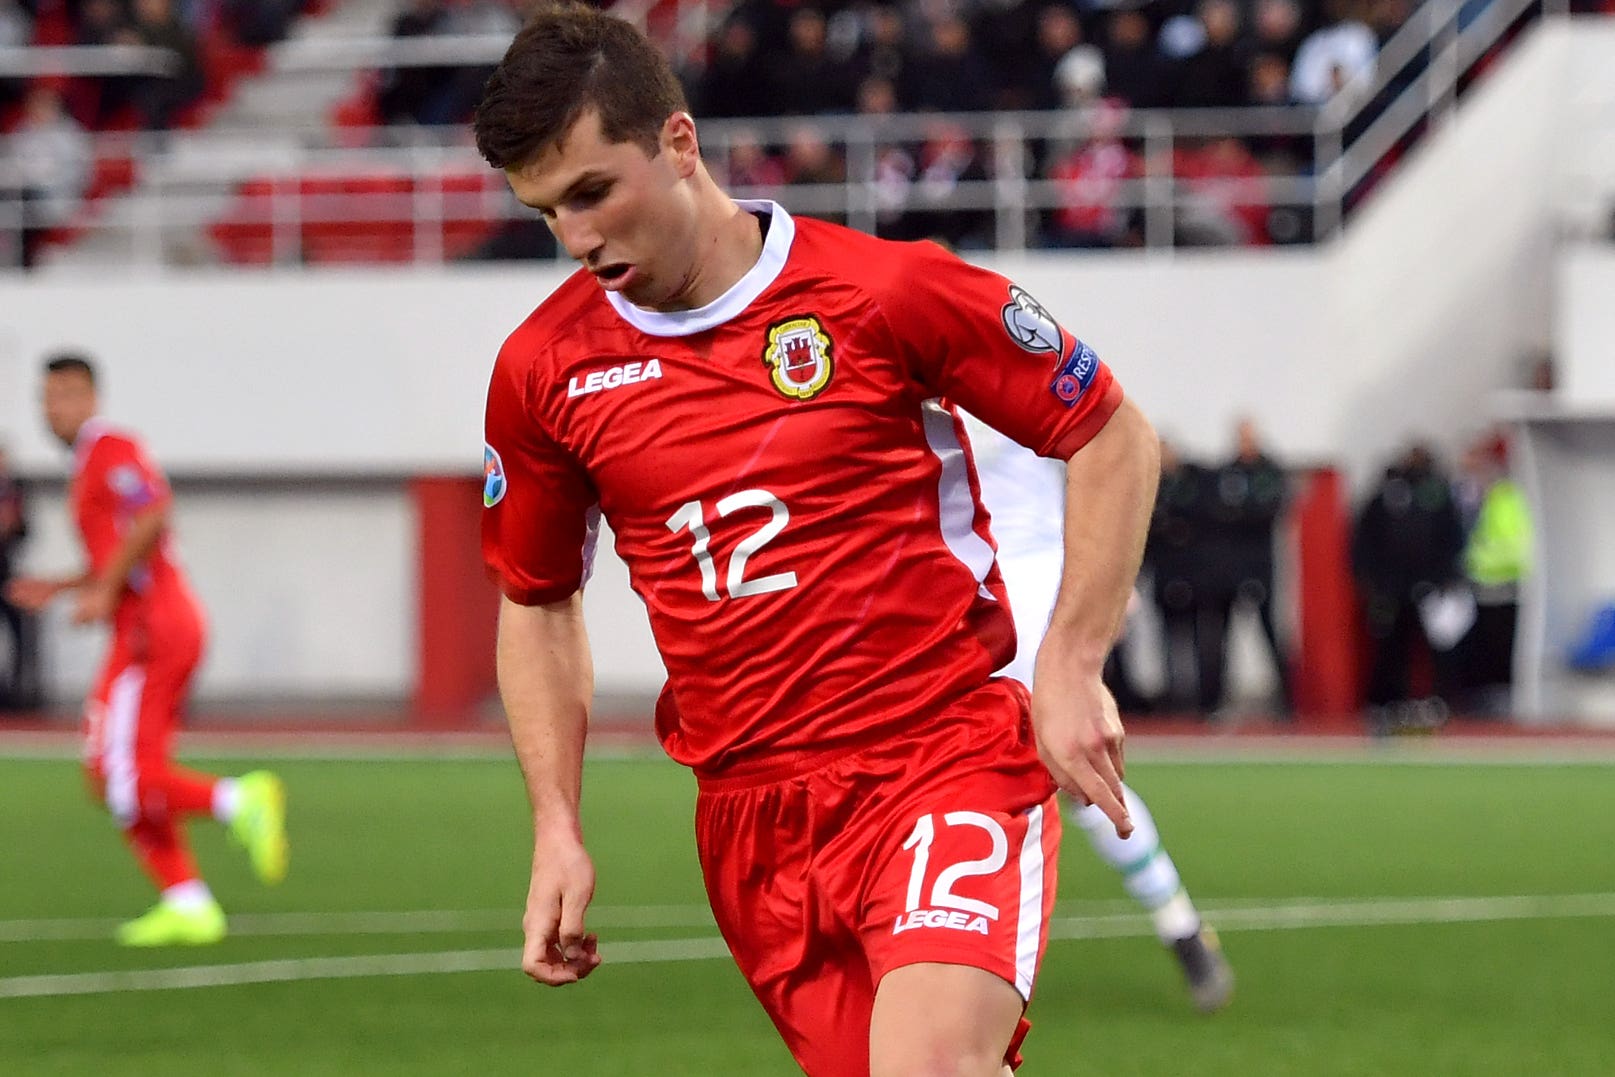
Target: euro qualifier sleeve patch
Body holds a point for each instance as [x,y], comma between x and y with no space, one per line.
[1074,376]
[1029,323]
[493,477]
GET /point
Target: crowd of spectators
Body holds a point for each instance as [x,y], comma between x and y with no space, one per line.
[805,59]
[432,96]
[779,58]
[46,122]
[811,58]
[773,57]
[183,28]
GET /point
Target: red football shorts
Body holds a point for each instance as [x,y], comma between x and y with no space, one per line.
[131,715]
[936,845]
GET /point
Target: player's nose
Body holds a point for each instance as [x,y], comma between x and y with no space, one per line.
[579,238]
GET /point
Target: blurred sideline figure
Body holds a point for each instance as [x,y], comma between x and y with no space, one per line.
[1496,557]
[1025,496]
[1173,559]
[1244,503]
[1406,551]
[120,502]
[20,688]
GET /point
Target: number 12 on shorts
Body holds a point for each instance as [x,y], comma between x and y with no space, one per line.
[945,909]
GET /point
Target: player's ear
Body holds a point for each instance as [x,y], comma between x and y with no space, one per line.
[680,142]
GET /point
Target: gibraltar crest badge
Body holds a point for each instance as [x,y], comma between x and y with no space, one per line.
[798,355]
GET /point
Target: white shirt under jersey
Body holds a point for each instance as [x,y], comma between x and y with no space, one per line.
[1025,496]
[1023,492]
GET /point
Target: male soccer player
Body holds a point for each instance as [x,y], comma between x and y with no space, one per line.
[1025,495]
[756,404]
[120,501]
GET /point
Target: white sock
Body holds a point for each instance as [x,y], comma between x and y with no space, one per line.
[1177,919]
[1147,871]
[226,799]
[189,895]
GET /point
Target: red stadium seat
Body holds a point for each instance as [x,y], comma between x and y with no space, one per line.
[465,224]
[245,236]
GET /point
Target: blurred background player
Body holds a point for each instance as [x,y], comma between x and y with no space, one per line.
[1025,496]
[120,502]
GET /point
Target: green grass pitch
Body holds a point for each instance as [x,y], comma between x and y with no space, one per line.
[1324,875]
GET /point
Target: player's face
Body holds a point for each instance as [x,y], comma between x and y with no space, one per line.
[629,217]
[68,402]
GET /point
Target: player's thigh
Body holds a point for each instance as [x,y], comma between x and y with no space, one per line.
[964,891]
[822,1011]
[113,714]
[968,882]
[810,974]
[942,1020]
[167,684]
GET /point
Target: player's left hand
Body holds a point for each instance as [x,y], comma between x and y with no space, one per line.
[1079,737]
[558,949]
[95,603]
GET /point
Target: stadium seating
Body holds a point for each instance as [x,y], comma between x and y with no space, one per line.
[357,217]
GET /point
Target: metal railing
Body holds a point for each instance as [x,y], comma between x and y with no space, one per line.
[41,61]
[423,194]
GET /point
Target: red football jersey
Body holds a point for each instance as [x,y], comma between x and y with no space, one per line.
[791,491]
[113,480]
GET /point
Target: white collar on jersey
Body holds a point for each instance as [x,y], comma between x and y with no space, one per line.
[91,432]
[682,323]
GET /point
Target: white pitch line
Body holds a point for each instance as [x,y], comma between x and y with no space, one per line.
[414,922]
[1369,913]
[1284,917]
[335,968]
[405,922]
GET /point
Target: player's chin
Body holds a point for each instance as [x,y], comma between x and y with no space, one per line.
[641,291]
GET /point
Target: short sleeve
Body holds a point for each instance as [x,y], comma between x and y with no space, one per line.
[133,481]
[539,508]
[979,341]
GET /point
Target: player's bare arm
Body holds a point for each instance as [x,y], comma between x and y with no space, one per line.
[546,679]
[1110,488]
[34,593]
[98,594]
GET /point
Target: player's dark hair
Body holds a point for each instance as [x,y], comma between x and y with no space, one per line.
[71,363]
[567,59]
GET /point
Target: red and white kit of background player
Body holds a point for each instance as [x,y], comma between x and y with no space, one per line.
[120,502]
[757,405]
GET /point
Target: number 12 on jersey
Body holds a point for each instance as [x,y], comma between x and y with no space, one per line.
[692,516]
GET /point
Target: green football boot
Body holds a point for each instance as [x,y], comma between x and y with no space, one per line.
[260,824]
[170,925]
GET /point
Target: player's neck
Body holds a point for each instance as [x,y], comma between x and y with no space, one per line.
[730,245]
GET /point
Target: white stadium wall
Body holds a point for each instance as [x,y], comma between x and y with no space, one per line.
[366,378]
[310,594]
[347,373]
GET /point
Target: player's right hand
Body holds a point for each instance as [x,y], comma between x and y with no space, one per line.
[32,593]
[557,949]
[1079,738]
